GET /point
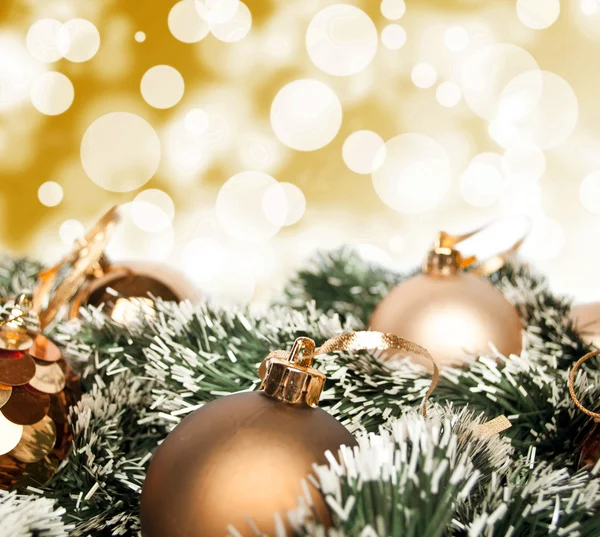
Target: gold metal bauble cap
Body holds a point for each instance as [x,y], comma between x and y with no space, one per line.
[290,378]
[443,259]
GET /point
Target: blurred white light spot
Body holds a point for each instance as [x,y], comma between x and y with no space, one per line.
[152,210]
[196,121]
[78,40]
[202,259]
[131,242]
[42,41]
[217,11]
[415,174]
[260,151]
[235,282]
[120,152]
[393,9]
[341,40]
[551,110]
[70,231]
[396,243]
[18,70]
[482,183]
[448,94]
[589,192]
[240,208]
[522,198]
[538,14]
[186,24]
[545,241]
[487,72]
[523,162]
[162,86]
[373,254]
[456,38]
[504,133]
[11,434]
[588,7]
[306,115]
[234,29]
[50,194]
[424,75]
[284,204]
[362,151]
[393,36]
[140,37]
[52,93]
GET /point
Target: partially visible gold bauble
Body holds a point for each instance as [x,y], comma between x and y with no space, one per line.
[454,316]
[586,318]
[133,280]
[239,457]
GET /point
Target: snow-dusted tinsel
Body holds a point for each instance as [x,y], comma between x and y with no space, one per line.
[30,516]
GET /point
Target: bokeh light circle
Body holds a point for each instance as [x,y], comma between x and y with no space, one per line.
[196,121]
[538,14]
[131,242]
[589,192]
[414,174]
[235,28]
[456,38]
[393,36]
[306,115]
[393,9]
[448,94]
[162,86]
[545,241]
[217,11]
[50,194]
[487,72]
[424,75]
[52,93]
[42,40]
[120,151]
[78,40]
[203,259]
[341,40]
[70,231]
[284,204]
[186,24]
[523,161]
[482,182]
[589,7]
[362,151]
[239,206]
[152,210]
[140,37]
[548,109]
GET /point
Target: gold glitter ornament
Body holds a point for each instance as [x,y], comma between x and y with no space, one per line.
[454,313]
[243,457]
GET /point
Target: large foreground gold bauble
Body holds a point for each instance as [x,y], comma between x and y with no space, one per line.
[586,318]
[454,314]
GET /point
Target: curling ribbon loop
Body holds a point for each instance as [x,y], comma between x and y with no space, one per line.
[595,415]
[303,353]
[488,266]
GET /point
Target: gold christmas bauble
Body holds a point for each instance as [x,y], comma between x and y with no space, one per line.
[236,459]
[452,313]
[586,318]
[142,281]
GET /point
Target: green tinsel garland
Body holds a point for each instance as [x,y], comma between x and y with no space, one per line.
[411,476]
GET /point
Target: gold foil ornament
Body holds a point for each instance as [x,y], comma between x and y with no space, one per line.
[5,392]
[43,349]
[26,405]
[16,368]
[454,313]
[243,457]
[36,441]
[48,377]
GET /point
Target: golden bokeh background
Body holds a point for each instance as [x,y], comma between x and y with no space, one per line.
[486,108]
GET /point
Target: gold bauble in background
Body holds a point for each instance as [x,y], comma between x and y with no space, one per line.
[586,319]
[133,280]
[454,314]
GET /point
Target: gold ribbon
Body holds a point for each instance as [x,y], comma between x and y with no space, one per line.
[486,266]
[349,341]
[571,385]
[85,259]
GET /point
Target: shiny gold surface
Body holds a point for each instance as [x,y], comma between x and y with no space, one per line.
[26,406]
[586,318]
[455,317]
[48,377]
[5,392]
[36,441]
[39,474]
[11,471]
[44,349]
[244,454]
[16,368]
[14,341]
